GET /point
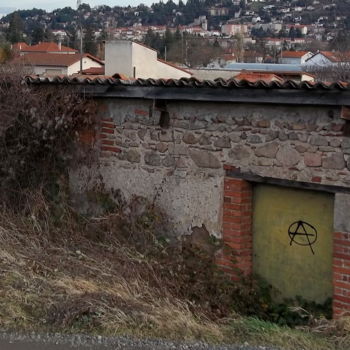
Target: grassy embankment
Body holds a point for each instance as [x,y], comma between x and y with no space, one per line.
[64,273]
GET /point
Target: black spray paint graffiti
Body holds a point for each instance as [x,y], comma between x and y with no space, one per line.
[302,233]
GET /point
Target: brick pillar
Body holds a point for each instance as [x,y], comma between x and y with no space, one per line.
[107,138]
[341,256]
[341,274]
[237,228]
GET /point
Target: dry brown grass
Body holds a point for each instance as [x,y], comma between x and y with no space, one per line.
[63,274]
[65,281]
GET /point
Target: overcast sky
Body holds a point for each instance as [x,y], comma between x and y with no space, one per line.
[53,4]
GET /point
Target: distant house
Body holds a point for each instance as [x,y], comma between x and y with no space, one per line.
[219,11]
[136,60]
[58,64]
[232,29]
[222,60]
[44,47]
[294,57]
[328,58]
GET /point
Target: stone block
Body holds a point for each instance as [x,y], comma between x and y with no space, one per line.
[197,125]
[293,136]
[313,159]
[152,159]
[168,161]
[182,124]
[154,135]
[240,152]
[263,124]
[133,156]
[178,149]
[334,161]
[181,163]
[166,136]
[268,151]
[346,143]
[254,139]
[336,142]
[235,137]
[271,135]
[205,159]
[288,156]
[204,140]
[264,162]
[298,126]
[142,133]
[161,147]
[301,148]
[282,136]
[223,142]
[303,137]
[189,138]
[318,140]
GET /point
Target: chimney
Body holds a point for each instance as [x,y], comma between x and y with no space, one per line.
[59,45]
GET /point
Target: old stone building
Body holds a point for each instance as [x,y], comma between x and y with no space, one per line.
[264,166]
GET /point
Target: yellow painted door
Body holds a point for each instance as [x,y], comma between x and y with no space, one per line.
[292,235]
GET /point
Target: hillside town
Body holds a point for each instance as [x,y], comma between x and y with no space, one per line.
[256,31]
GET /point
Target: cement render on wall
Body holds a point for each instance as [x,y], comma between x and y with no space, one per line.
[182,167]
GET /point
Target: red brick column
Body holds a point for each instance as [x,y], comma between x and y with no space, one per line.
[341,274]
[237,228]
[107,137]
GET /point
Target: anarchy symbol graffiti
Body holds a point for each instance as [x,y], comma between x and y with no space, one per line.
[302,233]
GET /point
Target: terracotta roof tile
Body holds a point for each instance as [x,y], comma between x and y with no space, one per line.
[254,77]
[52,59]
[47,47]
[189,82]
[336,56]
[293,54]
[94,71]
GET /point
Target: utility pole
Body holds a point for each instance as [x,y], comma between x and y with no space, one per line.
[81,36]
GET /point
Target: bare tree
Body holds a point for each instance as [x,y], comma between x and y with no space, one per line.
[194,52]
[338,70]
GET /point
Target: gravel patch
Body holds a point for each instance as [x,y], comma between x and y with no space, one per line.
[16,341]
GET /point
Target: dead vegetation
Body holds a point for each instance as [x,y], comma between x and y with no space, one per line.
[79,274]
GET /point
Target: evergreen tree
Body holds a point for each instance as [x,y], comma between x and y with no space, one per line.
[90,45]
[168,39]
[38,35]
[15,31]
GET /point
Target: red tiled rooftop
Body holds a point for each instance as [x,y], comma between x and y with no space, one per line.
[94,71]
[293,54]
[336,56]
[47,47]
[255,77]
[52,59]
[19,46]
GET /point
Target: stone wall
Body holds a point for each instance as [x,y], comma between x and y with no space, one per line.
[181,166]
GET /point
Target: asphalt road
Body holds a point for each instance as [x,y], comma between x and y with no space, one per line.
[77,342]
